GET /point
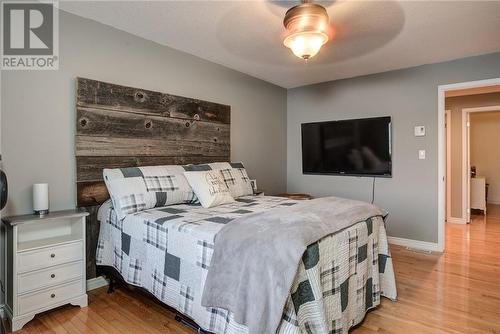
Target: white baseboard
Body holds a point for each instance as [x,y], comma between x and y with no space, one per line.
[493,202]
[96,283]
[415,244]
[455,220]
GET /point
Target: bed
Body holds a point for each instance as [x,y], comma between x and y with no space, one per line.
[167,251]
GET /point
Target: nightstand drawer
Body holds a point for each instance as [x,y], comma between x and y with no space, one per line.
[49,256]
[48,277]
[48,297]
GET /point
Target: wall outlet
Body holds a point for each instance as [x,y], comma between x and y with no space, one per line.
[421,154]
[419,131]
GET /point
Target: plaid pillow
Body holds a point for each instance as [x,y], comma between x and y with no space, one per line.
[132,203]
[237,181]
[136,189]
[213,166]
[161,183]
[234,174]
[228,177]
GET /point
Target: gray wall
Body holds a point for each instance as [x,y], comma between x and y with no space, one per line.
[455,105]
[39,108]
[410,97]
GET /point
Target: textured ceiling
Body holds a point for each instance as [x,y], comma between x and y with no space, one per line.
[371,36]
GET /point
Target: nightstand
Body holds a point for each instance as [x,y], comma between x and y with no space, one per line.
[45,262]
[296,196]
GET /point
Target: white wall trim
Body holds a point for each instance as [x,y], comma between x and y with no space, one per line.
[442,89]
[465,167]
[415,244]
[448,164]
[456,220]
[441,170]
[96,283]
[495,202]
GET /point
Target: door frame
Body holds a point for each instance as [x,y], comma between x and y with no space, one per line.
[447,175]
[442,89]
[466,155]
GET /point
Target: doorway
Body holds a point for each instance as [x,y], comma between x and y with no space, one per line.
[481,125]
[447,206]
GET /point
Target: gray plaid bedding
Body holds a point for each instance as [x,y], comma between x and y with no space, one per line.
[168,251]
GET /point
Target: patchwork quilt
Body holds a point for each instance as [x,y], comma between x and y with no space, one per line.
[168,251]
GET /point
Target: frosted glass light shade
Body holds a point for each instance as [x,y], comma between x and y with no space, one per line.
[306,45]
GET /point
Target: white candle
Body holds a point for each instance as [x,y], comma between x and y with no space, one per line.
[41,197]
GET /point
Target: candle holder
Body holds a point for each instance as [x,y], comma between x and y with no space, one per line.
[41,199]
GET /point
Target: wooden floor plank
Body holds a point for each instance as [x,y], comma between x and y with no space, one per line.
[450,293]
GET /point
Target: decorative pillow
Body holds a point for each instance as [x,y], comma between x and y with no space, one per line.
[213,166]
[209,187]
[234,174]
[135,189]
[237,181]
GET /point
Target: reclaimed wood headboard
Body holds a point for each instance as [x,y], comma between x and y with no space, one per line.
[120,126]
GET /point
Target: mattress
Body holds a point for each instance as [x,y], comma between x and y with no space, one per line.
[168,250]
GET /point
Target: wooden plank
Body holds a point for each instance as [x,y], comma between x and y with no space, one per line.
[116,97]
[90,168]
[109,146]
[92,228]
[91,193]
[109,123]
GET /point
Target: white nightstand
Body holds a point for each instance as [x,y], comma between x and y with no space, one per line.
[45,263]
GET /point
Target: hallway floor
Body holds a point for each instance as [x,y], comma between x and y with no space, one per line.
[454,292]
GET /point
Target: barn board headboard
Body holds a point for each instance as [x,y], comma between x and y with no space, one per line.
[120,126]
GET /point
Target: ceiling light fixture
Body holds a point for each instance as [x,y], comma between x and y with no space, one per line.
[306,26]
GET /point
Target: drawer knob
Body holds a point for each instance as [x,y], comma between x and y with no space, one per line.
[53,295]
[52,255]
[53,276]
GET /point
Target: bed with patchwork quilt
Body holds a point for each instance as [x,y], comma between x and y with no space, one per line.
[168,252]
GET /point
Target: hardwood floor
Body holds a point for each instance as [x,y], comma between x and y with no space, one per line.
[454,292]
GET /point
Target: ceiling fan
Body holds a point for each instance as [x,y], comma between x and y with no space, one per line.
[306,29]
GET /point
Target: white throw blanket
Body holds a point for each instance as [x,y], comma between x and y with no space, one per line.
[256,257]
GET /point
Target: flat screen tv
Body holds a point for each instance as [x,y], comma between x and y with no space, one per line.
[360,147]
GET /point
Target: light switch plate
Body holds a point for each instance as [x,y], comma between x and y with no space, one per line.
[420,131]
[421,154]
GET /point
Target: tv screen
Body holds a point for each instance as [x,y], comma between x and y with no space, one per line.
[348,147]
